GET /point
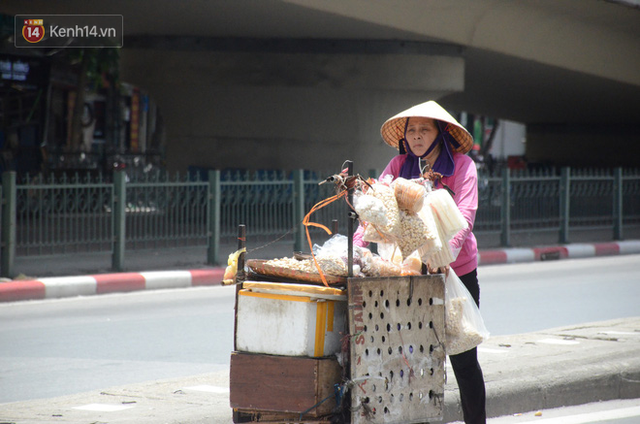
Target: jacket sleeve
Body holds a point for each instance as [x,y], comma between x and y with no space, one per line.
[393,167]
[465,186]
[358,237]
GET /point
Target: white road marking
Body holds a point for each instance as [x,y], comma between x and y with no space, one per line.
[207,388]
[580,250]
[84,285]
[166,279]
[489,350]
[629,246]
[103,407]
[558,342]
[519,255]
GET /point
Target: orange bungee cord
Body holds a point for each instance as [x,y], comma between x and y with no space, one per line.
[307,223]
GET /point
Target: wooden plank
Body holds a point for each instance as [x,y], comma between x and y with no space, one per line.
[283,383]
[397,352]
[248,416]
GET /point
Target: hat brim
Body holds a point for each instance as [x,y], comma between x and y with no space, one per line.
[392,130]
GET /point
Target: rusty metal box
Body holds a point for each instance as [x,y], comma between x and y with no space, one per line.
[397,353]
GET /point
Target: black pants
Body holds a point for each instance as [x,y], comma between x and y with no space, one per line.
[467,369]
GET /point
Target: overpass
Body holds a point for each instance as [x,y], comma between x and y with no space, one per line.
[307,83]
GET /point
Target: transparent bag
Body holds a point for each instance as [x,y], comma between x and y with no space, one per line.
[464,326]
[332,256]
[413,233]
[377,233]
[409,194]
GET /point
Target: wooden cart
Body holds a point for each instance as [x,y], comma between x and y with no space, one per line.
[394,368]
[391,367]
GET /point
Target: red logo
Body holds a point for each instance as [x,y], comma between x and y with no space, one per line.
[33,30]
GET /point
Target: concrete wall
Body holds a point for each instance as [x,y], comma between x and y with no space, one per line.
[284,111]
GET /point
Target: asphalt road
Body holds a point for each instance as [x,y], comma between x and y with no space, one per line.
[57,347]
[539,295]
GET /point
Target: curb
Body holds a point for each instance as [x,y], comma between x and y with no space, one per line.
[569,251]
[58,287]
[557,367]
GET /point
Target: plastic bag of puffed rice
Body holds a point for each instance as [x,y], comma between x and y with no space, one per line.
[390,229]
[463,323]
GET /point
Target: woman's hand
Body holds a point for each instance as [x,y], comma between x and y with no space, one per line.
[442,270]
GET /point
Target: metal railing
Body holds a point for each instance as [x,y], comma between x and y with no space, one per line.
[557,200]
[92,214]
[60,216]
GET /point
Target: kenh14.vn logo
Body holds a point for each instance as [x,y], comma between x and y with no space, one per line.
[68,31]
[33,30]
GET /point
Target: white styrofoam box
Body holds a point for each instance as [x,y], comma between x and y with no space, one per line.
[290,319]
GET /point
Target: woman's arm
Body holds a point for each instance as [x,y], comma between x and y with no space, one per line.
[465,186]
[358,237]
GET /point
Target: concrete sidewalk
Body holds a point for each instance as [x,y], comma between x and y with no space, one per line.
[526,372]
[74,283]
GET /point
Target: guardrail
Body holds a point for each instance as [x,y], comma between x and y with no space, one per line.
[90,214]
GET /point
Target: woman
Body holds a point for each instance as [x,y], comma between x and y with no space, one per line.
[427,132]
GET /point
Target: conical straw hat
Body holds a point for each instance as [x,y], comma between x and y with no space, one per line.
[392,130]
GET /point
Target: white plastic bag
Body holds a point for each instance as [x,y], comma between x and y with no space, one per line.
[464,326]
[434,242]
[370,209]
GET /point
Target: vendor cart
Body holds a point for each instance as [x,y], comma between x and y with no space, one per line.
[363,350]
